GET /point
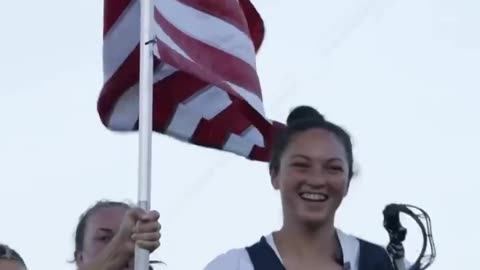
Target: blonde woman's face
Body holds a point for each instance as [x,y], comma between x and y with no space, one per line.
[101,227]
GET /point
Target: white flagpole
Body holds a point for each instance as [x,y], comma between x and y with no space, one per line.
[145,119]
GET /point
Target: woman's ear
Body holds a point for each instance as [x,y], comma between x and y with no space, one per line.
[347,187]
[78,257]
[349,181]
[274,178]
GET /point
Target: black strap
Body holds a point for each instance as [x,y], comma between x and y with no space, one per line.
[373,257]
[263,257]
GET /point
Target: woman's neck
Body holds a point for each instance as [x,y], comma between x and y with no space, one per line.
[303,241]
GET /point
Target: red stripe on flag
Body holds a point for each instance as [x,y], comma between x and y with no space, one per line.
[255,23]
[208,58]
[184,84]
[171,56]
[112,10]
[226,10]
[269,134]
[169,93]
[216,131]
[163,106]
[124,77]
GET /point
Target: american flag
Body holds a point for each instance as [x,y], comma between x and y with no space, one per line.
[206,88]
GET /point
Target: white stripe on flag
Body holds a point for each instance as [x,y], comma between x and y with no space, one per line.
[162,36]
[208,29]
[125,111]
[243,144]
[121,40]
[251,98]
[206,104]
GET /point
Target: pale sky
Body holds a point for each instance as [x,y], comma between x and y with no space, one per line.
[401,76]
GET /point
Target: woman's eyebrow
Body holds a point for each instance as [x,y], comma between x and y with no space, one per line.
[105,230]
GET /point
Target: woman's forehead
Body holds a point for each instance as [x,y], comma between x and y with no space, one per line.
[315,143]
[10,265]
[106,217]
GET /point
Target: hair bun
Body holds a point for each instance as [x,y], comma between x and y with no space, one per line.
[302,113]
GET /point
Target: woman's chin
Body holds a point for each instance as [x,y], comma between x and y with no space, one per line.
[317,218]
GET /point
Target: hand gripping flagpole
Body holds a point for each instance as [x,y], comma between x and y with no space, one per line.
[145,120]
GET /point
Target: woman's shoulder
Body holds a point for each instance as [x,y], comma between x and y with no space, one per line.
[355,242]
[364,252]
[233,259]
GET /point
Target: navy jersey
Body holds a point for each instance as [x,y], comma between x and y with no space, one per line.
[355,254]
[370,257]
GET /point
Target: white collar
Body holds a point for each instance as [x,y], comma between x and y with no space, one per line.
[349,244]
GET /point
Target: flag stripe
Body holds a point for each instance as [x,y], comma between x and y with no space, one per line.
[211,59]
[119,42]
[189,115]
[113,9]
[192,22]
[125,77]
[171,56]
[255,23]
[125,112]
[227,11]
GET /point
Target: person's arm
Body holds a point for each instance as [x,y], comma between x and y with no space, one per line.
[115,256]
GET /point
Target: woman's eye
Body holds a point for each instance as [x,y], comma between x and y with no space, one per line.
[300,164]
[104,238]
[336,168]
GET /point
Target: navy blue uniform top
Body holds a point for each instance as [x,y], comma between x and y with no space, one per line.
[355,254]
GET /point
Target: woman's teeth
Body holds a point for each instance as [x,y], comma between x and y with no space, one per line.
[316,197]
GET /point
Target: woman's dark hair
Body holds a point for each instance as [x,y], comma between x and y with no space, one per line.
[83,220]
[301,119]
[7,253]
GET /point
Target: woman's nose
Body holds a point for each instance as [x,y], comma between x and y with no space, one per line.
[318,176]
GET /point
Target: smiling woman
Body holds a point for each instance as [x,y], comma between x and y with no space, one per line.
[311,166]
